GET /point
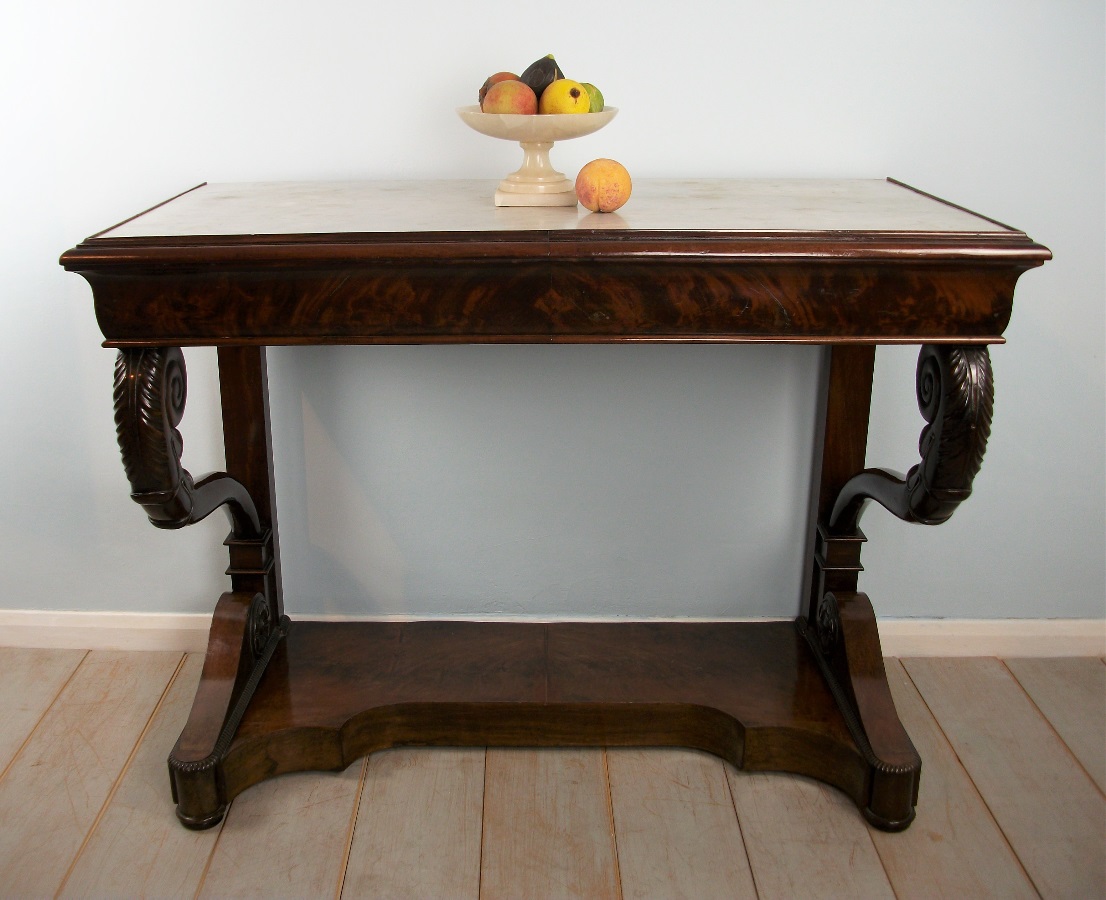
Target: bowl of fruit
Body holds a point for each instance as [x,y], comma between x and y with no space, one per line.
[536,109]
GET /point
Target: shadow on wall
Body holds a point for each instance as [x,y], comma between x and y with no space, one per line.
[633,480]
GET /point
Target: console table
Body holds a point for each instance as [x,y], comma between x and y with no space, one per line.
[848,264]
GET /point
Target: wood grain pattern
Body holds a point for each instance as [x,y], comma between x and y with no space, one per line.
[803,840]
[557,299]
[30,679]
[1072,695]
[749,693]
[954,848]
[57,785]
[137,848]
[419,825]
[289,837]
[677,831]
[547,826]
[1047,806]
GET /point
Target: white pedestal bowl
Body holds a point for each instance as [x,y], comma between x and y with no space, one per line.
[535,182]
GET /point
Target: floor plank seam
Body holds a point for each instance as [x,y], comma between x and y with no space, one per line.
[211,853]
[45,712]
[483,808]
[614,826]
[882,862]
[122,773]
[971,780]
[1044,717]
[354,816]
[729,772]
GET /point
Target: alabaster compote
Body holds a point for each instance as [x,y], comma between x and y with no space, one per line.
[535,182]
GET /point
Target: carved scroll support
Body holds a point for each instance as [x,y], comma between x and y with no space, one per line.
[845,642]
[241,643]
[956,397]
[150,393]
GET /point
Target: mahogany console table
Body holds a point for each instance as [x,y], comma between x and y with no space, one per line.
[848,264]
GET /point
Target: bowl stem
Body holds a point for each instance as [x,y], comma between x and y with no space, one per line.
[536,182]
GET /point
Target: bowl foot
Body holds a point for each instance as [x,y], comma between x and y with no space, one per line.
[544,198]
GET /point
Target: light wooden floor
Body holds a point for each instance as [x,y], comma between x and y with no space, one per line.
[1012,802]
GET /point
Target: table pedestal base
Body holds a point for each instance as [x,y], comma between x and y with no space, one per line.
[755,694]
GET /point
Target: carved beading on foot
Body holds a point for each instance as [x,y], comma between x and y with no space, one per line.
[956,397]
[150,392]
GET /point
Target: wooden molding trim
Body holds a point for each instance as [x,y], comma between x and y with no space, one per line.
[188,632]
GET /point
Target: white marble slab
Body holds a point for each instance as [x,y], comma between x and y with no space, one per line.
[403,207]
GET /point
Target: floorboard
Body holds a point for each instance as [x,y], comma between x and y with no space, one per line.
[1045,803]
[547,826]
[1011,802]
[805,839]
[954,848]
[1070,693]
[675,825]
[138,848]
[55,788]
[287,837]
[419,825]
[31,680]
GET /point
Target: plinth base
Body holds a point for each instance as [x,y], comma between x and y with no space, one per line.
[752,694]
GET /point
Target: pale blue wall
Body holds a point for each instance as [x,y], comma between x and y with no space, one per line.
[508,479]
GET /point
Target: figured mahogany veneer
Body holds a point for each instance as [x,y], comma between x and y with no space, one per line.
[750,694]
[849,264]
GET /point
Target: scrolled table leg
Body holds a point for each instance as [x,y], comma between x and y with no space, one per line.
[955,387]
[151,387]
[150,392]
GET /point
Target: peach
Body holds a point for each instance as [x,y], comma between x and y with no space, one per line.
[510,97]
[603,185]
[494,79]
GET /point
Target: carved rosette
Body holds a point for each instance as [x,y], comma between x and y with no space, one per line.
[955,390]
[827,625]
[149,393]
[260,624]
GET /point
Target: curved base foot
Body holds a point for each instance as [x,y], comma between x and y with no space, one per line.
[241,643]
[845,645]
[202,823]
[888,824]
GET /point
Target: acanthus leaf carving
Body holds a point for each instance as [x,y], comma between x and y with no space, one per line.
[955,389]
[149,392]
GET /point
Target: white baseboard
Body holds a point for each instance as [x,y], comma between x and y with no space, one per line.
[993,637]
[187,632]
[64,630]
